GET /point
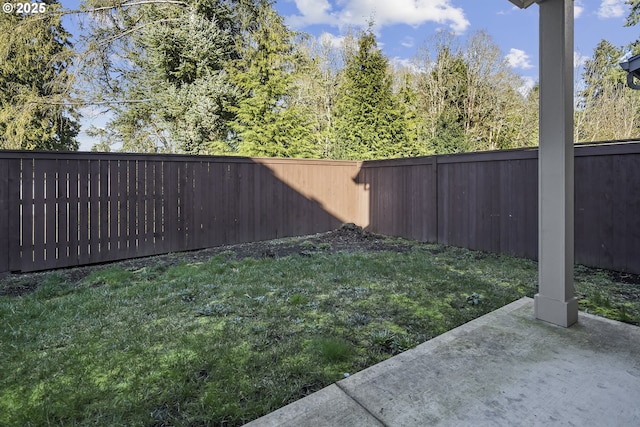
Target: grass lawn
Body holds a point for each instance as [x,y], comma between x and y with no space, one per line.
[226,339]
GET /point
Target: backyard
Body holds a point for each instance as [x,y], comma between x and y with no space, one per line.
[222,336]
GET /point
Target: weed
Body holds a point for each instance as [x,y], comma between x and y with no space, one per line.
[298,299]
[474,298]
[307,245]
[324,246]
[214,310]
[332,350]
[360,319]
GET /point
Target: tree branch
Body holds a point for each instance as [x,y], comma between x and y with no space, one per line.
[125,4]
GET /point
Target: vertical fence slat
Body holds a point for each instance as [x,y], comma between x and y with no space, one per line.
[190,206]
[132,217]
[39,167]
[27,215]
[246,192]
[123,208]
[84,211]
[15,213]
[73,212]
[146,207]
[257,203]
[5,215]
[62,200]
[103,219]
[50,255]
[93,225]
[159,234]
[172,226]
[113,206]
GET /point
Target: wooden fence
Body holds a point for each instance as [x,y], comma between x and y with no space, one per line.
[67,209]
[489,201]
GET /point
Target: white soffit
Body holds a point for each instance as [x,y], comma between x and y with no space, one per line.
[523,4]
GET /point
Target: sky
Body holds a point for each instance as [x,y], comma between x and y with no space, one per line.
[403,27]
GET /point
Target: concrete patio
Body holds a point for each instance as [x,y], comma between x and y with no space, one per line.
[503,369]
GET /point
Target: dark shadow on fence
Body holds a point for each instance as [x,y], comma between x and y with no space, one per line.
[68,209]
[489,201]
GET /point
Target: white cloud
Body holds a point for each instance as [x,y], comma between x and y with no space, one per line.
[611,9]
[579,60]
[528,84]
[578,8]
[408,42]
[407,64]
[332,40]
[383,12]
[517,58]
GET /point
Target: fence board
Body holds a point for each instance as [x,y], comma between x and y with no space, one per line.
[626,222]
[14,205]
[73,212]
[66,209]
[84,212]
[27,214]
[5,213]
[39,175]
[159,205]
[50,214]
[62,198]
[247,195]
[93,221]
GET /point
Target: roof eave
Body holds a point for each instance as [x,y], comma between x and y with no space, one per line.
[523,4]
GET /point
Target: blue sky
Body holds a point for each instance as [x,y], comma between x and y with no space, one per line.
[403,26]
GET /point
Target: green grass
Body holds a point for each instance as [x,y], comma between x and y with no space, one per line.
[225,341]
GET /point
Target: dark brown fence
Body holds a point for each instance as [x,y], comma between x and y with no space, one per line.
[66,209]
[61,210]
[489,201]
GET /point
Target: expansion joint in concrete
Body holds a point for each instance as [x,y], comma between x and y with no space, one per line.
[367,410]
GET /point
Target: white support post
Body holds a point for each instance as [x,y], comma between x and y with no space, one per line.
[555,302]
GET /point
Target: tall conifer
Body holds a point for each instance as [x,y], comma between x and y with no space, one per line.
[369,121]
[267,122]
[35,84]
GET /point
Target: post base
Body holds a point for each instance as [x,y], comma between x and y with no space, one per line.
[561,313]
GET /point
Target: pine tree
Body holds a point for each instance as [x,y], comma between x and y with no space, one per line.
[35,84]
[267,123]
[369,121]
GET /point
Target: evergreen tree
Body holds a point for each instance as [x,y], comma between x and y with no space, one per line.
[368,119]
[267,122]
[451,80]
[602,70]
[162,69]
[35,83]
[408,98]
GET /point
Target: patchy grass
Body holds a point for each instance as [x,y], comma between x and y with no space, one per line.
[226,340]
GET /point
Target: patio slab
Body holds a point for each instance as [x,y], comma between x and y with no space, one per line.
[503,369]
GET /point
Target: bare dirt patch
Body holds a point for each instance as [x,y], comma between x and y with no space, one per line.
[349,237]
